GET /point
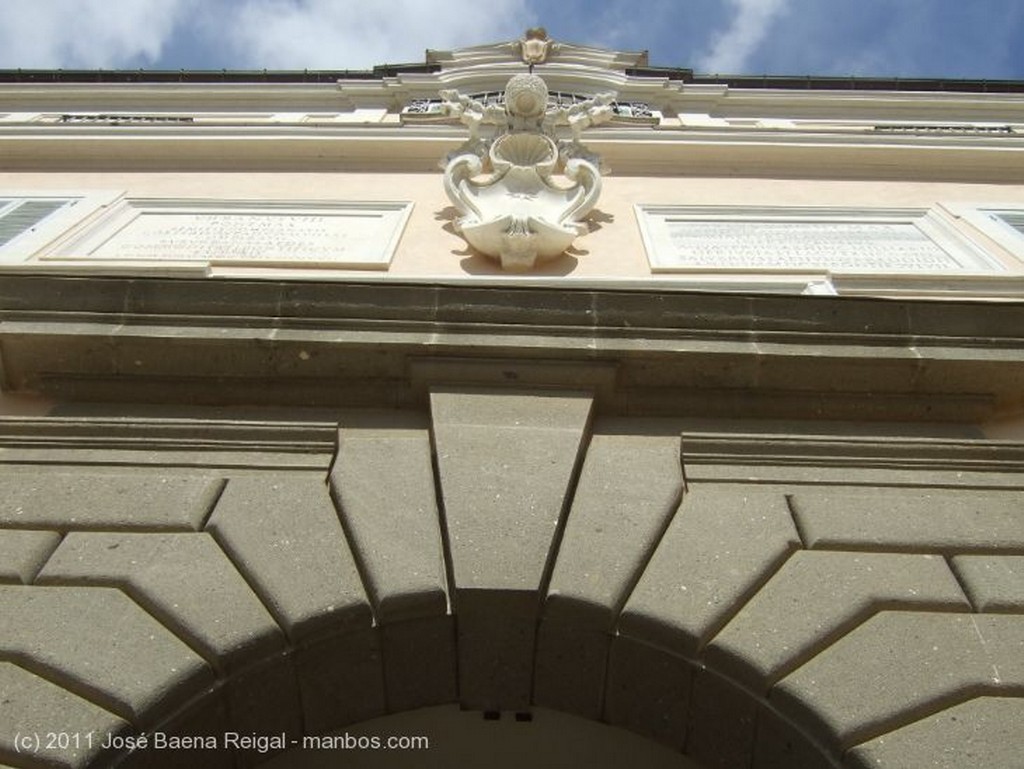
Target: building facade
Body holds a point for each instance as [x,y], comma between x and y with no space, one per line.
[529,383]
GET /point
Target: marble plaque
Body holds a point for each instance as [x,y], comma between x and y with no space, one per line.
[354,236]
[838,247]
[844,241]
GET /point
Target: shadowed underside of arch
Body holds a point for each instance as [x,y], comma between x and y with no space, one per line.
[751,602]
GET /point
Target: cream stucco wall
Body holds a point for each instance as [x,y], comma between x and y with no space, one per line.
[613,249]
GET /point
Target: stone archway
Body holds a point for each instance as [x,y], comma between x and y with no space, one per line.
[510,551]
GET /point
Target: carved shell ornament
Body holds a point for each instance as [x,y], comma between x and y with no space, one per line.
[510,208]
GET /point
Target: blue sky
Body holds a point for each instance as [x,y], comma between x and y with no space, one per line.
[981,39]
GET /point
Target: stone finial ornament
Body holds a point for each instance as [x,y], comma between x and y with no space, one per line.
[518,214]
[535,45]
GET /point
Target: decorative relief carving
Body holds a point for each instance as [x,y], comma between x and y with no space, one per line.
[517,213]
[425,111]
[535,45]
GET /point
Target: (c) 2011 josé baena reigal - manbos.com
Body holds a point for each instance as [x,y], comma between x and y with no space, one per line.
[261,743]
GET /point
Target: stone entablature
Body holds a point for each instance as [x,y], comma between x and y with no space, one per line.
[640,350]
[572,69]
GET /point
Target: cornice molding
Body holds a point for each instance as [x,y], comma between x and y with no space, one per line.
[630,151]
[643,352]
[664,94]
[154,433]
[254,442]
[835,451]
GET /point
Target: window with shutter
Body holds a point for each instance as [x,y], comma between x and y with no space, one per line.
[20,216]
[33,220]
[1004,224]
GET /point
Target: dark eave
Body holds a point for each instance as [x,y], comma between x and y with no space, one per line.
[820,83]
[685,75]
[813,83]
[209,76]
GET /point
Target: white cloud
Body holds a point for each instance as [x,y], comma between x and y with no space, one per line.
[273,34]
[732,49]
[87,34]
[328,34]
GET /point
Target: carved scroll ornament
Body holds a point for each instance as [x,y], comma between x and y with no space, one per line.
[517,213]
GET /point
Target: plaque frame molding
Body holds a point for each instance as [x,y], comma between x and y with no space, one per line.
[663,258]
[73,249]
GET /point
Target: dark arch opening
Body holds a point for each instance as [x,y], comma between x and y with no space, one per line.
[461,738]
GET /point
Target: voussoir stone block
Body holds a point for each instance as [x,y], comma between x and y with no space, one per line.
[264,699]
[984,732]
[419,662]
[184,580]
[816,597]
[722,544]
[648,691]
[779,744]
[628,490]
[383,481]
[67,501]
[283,532]
[496,642]
[206,716]
[341,680]
[570,667]
[899,666]
[936,520]
[994,583]
[101,645]
[33,706]
[23,553]
[506,462]
[722,716]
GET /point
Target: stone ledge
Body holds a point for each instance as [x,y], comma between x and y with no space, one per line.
[356,343]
